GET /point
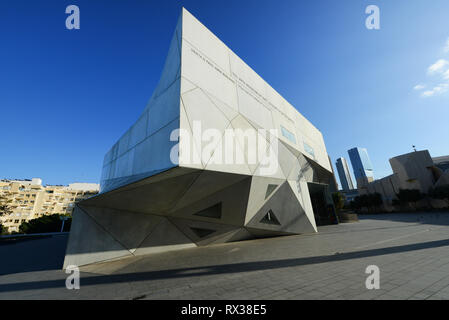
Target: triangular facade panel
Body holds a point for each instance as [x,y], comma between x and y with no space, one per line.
[285,213]
[201,232]
[165,237]
[211,212]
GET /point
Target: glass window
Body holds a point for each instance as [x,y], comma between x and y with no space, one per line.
[287,134]
[309,150]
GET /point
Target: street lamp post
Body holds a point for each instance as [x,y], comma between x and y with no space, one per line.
[63,221]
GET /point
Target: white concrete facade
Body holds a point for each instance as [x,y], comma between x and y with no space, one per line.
[155,197]
[204,80]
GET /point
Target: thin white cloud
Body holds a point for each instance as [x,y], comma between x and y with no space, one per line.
[446,74]
[419,87]
[438,66]
[441,88]
[439,71]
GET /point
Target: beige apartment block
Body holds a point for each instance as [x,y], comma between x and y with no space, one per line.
[29,199]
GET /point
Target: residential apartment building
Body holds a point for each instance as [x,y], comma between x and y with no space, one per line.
[29,199]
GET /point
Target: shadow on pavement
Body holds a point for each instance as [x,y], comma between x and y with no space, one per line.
[27,255]
[434,218]
[221,269]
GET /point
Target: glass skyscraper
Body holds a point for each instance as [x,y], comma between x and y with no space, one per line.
[361,164]
[343,173]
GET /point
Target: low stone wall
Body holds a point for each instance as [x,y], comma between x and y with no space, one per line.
[347,216]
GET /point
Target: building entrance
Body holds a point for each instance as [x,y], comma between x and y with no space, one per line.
[322,204]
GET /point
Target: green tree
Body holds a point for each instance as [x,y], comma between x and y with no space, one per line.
[5,208]
[51,223]
[375,200]
[339,200]
[356,204]
[407,196]
[369,201]
[441,192]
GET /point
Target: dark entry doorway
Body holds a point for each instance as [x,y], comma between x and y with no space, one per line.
[322,204]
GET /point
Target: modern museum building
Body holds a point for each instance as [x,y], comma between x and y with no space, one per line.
[217,155]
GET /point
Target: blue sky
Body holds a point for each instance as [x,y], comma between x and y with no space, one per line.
[67,95]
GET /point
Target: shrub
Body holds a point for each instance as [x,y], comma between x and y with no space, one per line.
[339,200]
[409,195]
[5,208]
[51,223]
[441,192]
[371,200]
[2,229]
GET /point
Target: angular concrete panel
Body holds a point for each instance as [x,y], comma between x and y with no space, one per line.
[233,201]
[187,85]
[166,237]
[156,198]
[205,117]
[207,183]
[287,160]
[287,210]
[89,242]
[301,191]
[172,67]
[229,157]
[189,147]
[201,232]
[137,225]
[258,194]
[229,111]
[164,109]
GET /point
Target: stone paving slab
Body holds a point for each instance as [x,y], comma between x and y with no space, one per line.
[411,250]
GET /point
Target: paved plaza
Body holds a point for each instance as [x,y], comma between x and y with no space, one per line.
[411,250]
